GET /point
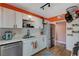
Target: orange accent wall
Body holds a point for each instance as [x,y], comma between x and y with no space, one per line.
[19,9]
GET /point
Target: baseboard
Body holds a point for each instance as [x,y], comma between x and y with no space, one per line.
[61,42]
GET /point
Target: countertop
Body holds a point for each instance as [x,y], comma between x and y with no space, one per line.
[17,39]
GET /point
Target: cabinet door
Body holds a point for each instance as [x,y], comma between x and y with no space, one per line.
[36,48]
[19,19]
[41,43]
[0,17]
[8,18]
[27,48]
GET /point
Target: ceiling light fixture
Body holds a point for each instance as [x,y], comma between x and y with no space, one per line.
[47,4]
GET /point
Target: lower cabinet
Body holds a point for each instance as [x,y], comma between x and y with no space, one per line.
[41,43]
[33,45]
[27,47]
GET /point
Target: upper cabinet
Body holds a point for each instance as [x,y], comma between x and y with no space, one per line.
[8,20]
[14,19]
[0,17]
[19,16]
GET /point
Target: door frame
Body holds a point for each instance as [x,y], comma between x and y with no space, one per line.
[55,29]
[51,34]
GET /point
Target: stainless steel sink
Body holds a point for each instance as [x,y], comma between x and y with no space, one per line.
[25,37]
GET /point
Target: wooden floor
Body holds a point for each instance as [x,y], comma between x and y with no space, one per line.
[59,51]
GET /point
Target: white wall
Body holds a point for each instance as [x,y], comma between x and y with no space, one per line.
[71,40]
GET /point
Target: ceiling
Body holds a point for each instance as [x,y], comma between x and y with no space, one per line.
[54,10]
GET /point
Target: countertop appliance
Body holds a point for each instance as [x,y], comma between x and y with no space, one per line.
[11,49]
[7,35]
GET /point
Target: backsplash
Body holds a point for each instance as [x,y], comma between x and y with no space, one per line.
[14,31]
[20,32]
[33,31]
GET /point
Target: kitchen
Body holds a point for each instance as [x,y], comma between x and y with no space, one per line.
[20,30]
[23,33]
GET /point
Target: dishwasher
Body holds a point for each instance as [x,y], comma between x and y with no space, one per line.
[11,49]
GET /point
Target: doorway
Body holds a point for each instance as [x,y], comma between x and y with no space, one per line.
[61,33]
[58,33]
[52,34]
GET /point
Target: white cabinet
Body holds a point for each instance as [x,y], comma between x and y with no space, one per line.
[0,17]
[28,48]
[13,19]
[8,18]
[19,19]
[41,43]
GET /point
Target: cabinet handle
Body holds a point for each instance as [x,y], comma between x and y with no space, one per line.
[34,45]
[15,26]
